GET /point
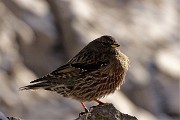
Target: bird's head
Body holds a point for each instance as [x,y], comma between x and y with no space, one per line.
[104,43]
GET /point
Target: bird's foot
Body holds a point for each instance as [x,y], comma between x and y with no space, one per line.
[92,107]
[99,103]
[85,108]
[85,112]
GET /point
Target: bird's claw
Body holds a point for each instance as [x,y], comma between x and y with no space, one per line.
[92,107]
[82,113]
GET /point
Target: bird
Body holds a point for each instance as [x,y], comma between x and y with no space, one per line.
[98,70]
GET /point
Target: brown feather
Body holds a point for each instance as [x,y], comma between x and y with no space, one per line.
[96,71]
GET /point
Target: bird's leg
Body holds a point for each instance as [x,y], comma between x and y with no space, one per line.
[100,103]
[85,108]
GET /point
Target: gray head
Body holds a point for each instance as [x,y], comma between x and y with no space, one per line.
[104,43]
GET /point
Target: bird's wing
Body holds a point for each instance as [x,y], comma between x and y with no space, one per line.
[89,60]
[57,77]
[90,67]
[79,66]
[64,72]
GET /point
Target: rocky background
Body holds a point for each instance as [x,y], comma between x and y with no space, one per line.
[37,36]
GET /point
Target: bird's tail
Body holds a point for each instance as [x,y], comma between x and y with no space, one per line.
[42,85]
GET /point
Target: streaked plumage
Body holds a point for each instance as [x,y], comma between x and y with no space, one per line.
[96,71]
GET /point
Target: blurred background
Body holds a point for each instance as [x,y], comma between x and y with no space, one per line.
[38,36]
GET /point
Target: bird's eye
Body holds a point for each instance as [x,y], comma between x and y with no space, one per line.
[104,43]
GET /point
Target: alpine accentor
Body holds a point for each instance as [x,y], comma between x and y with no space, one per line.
[96,71]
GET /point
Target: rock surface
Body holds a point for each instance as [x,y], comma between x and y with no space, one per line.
[105,112]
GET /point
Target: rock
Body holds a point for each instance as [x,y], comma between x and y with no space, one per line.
[13,118]
[105,112]
[2,117]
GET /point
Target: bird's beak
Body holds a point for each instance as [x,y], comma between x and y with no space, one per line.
[115,45]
